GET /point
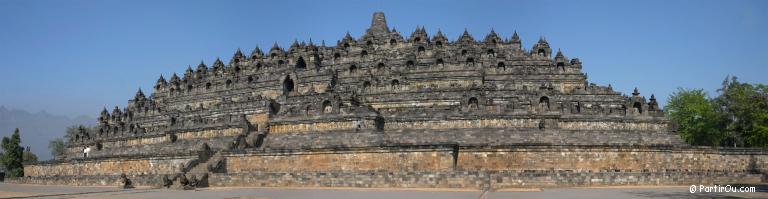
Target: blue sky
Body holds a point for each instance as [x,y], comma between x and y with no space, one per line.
[74,57]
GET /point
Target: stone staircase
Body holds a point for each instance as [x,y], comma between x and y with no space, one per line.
[210,161]
[197,171]
[202,167]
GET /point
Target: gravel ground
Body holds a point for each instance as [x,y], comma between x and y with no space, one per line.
[38,191]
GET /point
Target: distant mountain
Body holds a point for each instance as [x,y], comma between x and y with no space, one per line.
[37,129]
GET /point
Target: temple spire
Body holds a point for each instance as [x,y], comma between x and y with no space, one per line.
[174,78]
[466,37]
[238,53]
[543,40]
[439,37]
[378,24]
[218,64]
[160,82]
[492,37]
[256,53]
[116,111]
[515,37]
[202,67]
[139,95]
[161,79]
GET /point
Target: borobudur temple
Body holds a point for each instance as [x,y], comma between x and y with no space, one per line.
[384,110]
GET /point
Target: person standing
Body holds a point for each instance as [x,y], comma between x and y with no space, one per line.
[86,151]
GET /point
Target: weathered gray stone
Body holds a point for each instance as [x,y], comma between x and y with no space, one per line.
[387,111]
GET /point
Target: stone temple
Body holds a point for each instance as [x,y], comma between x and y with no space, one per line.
[384,110]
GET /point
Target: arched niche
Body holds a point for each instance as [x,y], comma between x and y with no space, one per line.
[327,107]
[638,107]
[380,66]
[273,107]
[472,104]
[300,63]
[395,84]
[379,122]
[470,61]
[366,85]
[544,103]
[288,84]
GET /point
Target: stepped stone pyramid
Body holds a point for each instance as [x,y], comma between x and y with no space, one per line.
[378,110]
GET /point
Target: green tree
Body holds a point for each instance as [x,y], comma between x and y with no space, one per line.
[13,156]
[737,117]
[695,116]
[28,157]
[760,122]
[57,147]
[71,132]
[746,109]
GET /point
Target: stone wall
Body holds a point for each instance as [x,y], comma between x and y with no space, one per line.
[502,158]
[159,144]
[464,124]
[582,159]
[92,180]
[373,160]
[605,126]
[513,166]
[209,133]
[472,137]
[475,180]
[113,166]
[448,166]
[314,127]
